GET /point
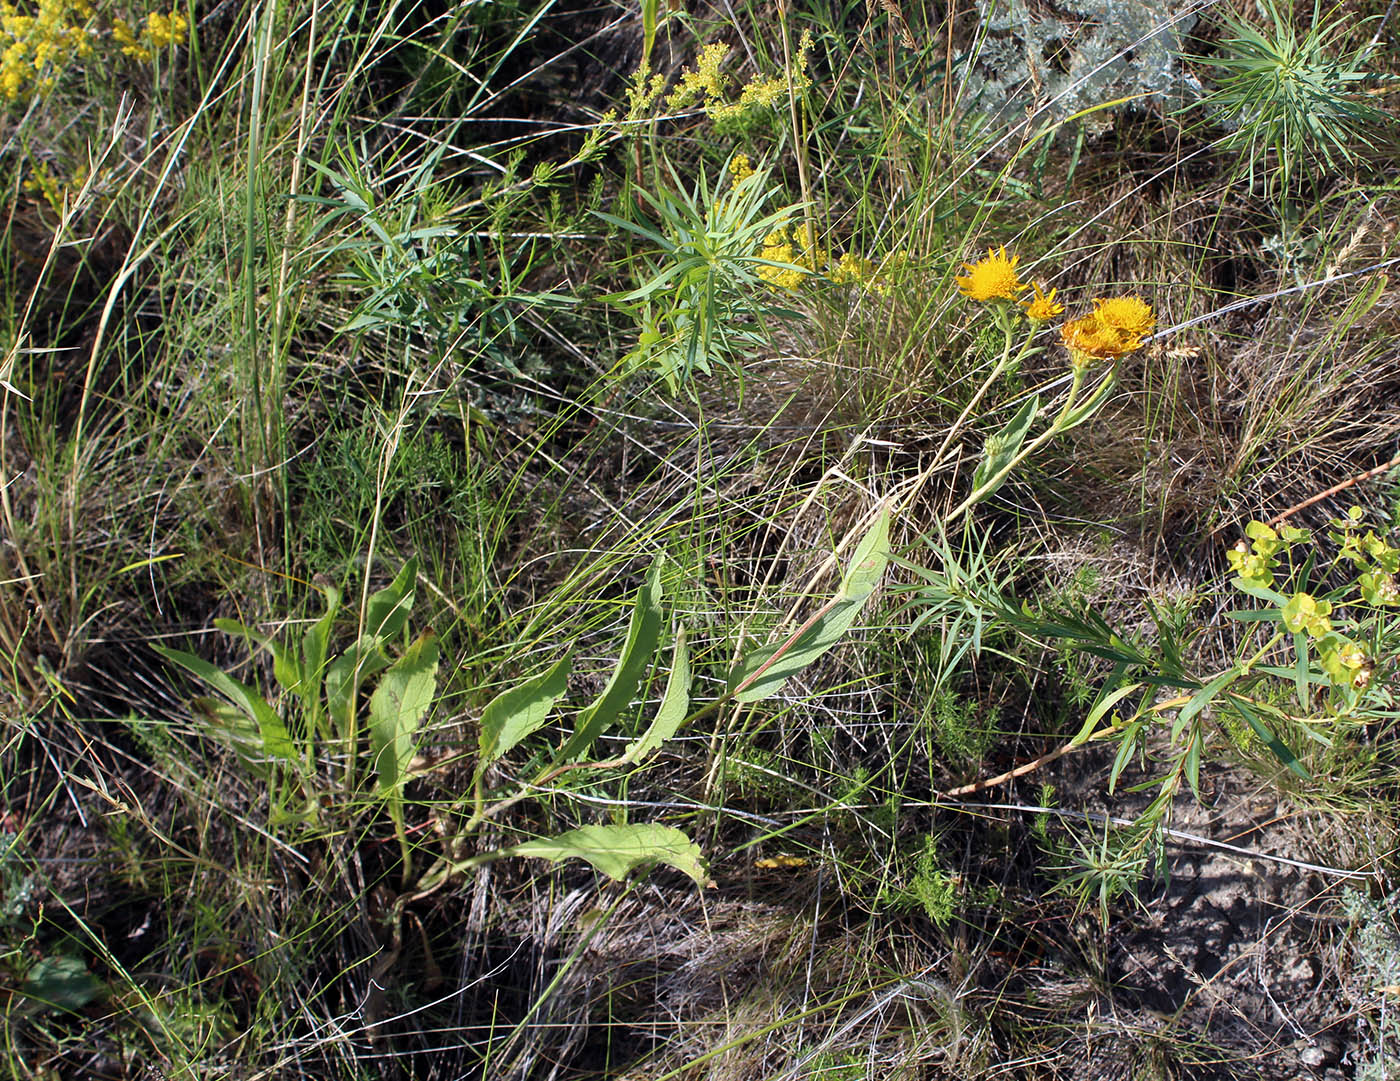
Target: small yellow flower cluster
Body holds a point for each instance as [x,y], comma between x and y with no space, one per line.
[58,192]
[740,168]
[853,269]
[848,269]
[708,84]
[35,48]
[160,31]
[778,247]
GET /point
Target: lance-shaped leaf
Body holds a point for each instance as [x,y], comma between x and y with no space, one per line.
[519,711]
[643,637]
[286,667]
[315,646]
[276,743]
[674,703]
[618,850]
[396,709]
[999,453]
[763,672]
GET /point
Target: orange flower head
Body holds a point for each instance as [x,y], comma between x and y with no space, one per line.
[992,278]
[1089,338]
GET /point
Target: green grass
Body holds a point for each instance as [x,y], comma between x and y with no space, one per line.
[329,290]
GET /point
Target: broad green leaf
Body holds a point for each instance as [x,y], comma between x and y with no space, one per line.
[674,704]
[273,733]
[643,636]
[62,983]
[519,711]
[752,682]
[397,708]
[868,561]
[285,666]
[387,610]
[1001,449]
[344,676]
[618,850]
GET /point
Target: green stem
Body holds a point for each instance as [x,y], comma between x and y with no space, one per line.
[1061,423]
[955,429]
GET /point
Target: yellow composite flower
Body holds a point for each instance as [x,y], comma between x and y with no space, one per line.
[992,278]
[1113,329]
[1130,316]
[1042,307]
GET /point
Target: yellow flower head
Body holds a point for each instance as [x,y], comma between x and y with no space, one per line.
[1042,307]
[992,278]
[1113,329]
[1131,316]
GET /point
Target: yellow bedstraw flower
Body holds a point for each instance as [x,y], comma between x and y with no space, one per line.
[163,30]
[778,248]
[1042,307]
[740,168]
[706,82]
[992,278]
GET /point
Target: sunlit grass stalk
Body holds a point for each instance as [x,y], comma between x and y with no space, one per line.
[799,132]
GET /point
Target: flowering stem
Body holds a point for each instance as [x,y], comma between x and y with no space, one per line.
[954,430]
[1066,419]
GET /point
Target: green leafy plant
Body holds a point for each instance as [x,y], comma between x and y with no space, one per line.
[702,300]
[321,694]
[417,268]
[524,709]
[320,698]
[1287,93]
[1334,649]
